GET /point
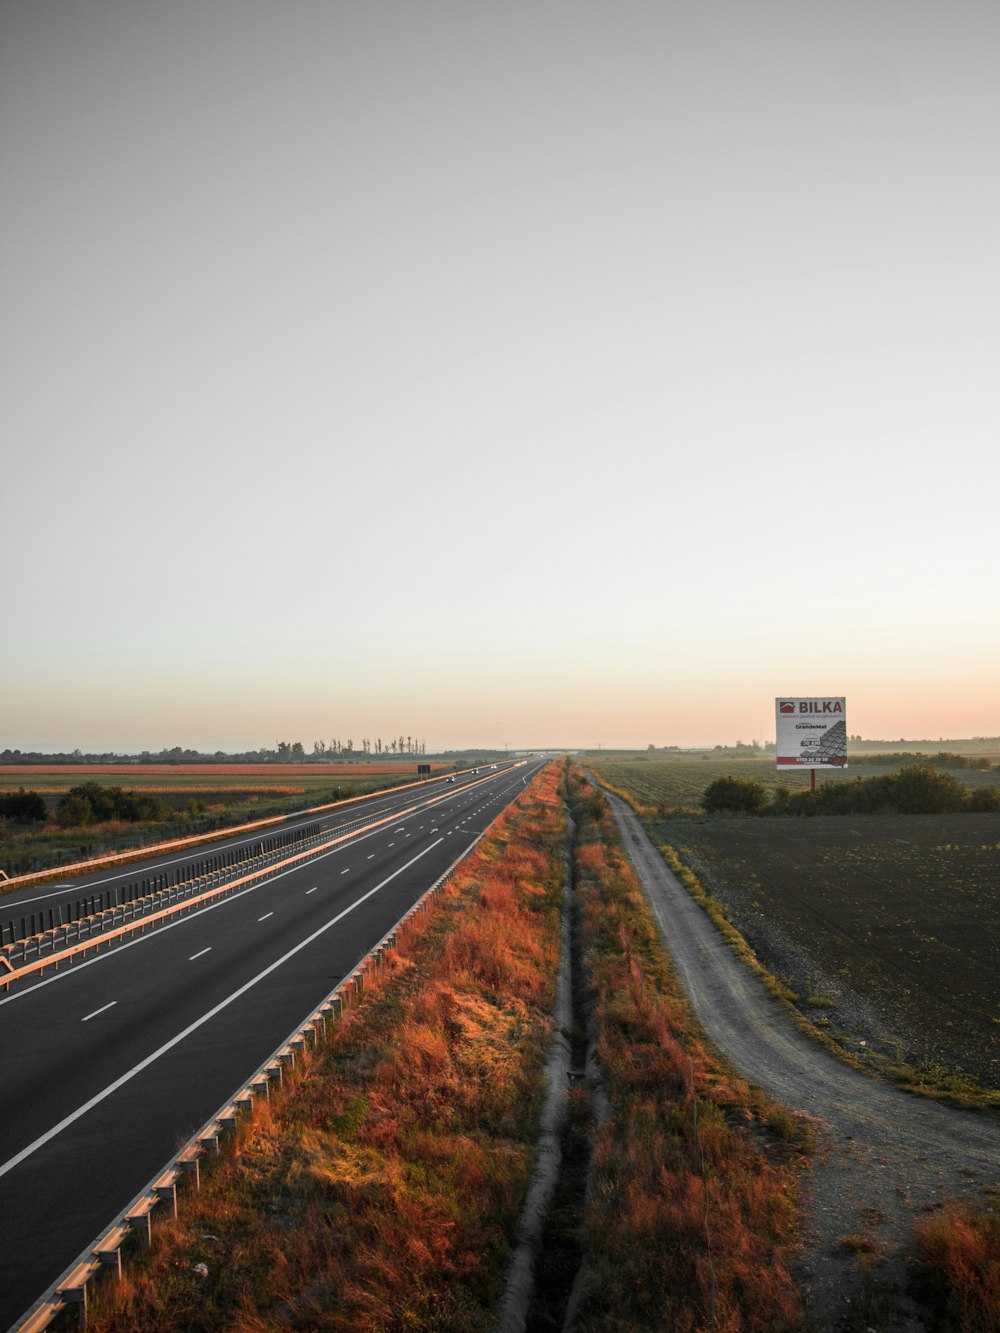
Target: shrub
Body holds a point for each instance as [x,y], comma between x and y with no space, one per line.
[23,805]
[984,800]
[90,803]
[739,795]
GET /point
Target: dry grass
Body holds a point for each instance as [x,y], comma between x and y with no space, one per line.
[691,1222]
[958,1250]
[383,1190]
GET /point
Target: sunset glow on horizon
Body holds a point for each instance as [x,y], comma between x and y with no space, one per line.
[532,377]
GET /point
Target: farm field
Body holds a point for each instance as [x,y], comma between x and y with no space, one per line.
[664,784]
[886,926]
[56,779]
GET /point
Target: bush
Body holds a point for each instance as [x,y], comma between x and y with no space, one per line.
[739,795]
[917,789]
[25,805]
[90,803]
[985,799]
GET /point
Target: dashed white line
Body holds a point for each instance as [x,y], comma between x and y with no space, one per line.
[371,856]
[347,871]
[312,890]
[265,916]
[200,954]
[102,1010]
[153,1056]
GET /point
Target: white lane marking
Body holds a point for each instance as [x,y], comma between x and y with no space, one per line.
[265,916]
[153,1056]
[347,871]
[328,823]
[119,949]
[200,954]
[312,890]
[371,856]
[392,844]
[102,1010]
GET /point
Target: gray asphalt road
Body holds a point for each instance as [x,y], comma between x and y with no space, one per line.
[111,1064]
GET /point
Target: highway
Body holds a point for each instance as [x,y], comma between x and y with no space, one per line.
[112,1063]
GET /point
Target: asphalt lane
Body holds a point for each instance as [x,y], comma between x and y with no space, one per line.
[111,1064]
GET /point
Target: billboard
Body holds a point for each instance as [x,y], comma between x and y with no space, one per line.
[811,733]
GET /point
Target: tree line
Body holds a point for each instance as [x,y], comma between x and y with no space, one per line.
[284,752]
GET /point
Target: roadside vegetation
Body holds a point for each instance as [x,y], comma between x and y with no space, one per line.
[382,1189]
[691,1217]
[958,1267]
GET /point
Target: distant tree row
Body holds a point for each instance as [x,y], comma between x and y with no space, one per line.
[338,749]
[917,789]
[284,752]
[943,759]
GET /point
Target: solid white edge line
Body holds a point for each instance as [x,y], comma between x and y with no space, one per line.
[153,1056]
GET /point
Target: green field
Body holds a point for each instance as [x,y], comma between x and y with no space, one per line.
[887,927]
[666,784]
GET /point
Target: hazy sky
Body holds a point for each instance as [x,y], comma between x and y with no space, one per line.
[551,373]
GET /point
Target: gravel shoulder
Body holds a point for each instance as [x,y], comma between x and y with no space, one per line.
[887,1156]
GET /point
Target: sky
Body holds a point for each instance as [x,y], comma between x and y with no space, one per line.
[536,374]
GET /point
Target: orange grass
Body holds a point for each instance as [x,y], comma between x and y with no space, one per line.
[958,1251]
[691,1220]
[382,1191]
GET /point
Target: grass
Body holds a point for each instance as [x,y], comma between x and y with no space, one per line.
[958,1256]
[691,1223]
[383,1190]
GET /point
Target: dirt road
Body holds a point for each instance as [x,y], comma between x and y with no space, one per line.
[887,1155]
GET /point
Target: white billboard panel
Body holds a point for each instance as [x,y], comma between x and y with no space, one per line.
[811,733]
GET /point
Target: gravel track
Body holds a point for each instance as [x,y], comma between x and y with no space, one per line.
[887,1156]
